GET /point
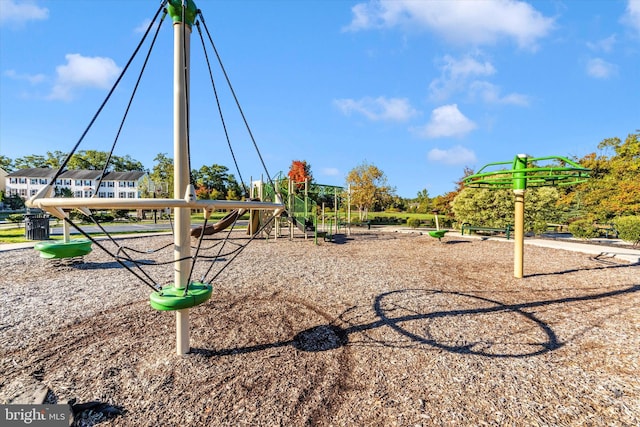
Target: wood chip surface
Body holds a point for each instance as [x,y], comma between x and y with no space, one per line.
[375,329]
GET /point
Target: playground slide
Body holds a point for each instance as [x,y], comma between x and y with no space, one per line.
[225,222]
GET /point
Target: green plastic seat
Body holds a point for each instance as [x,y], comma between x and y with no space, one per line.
[53,249]
[173,298]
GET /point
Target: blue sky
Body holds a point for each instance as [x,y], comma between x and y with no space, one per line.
[419,88]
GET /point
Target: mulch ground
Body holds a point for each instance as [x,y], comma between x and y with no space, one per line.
[373,329]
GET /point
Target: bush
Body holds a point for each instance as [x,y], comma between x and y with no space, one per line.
[583,229]
[413,222]
[629,228]
[15,218]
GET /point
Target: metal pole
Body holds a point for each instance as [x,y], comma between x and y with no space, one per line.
[519,187]
[181,186]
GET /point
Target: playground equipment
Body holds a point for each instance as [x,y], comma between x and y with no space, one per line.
[304,206]
[526,172]
[437,233]
[68,248]
[183,293]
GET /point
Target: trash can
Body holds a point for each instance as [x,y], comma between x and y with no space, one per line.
[36,227]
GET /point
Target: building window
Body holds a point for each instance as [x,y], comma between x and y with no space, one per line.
[33,192]
[111,195]
[122,194]
[101,194]
[78,194]
[87,182]
[78,182]
[43,181]
[13,180]
[34,181]
[23,192]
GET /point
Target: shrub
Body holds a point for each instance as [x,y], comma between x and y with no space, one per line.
[15,218]
[629,228]
[413,222]
[583,229]
[539,227]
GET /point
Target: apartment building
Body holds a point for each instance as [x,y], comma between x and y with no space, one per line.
[82,183]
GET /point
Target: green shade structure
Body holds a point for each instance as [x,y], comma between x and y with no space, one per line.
[526,172]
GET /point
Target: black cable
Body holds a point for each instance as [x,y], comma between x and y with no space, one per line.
[126,113]
[224,125]
[224,71]
[85,234]
[95,116]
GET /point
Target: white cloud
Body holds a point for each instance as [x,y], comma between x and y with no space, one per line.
[465,22]
[31,78]
[455,73]
[600,69]
[632,15]
[453,156]
[83,71]
[490,94]
[604,45]
[18,13]
[446,121]
[330,172]
[381,108]
[142,28]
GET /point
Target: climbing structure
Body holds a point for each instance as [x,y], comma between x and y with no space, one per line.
[183,293]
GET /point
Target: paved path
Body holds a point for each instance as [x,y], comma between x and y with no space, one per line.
[605,248]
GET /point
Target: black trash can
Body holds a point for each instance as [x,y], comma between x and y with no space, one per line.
[36,227]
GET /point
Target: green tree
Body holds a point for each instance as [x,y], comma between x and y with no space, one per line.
[162,176]
[496,208]
[368,185]
[32,161]
[424,201]
[96,160]
[6,163]
[614,187]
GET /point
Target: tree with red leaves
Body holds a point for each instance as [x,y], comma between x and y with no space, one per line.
[299,172]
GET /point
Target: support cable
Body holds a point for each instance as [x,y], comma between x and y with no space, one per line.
[224,71]
[224,125]
[115,85]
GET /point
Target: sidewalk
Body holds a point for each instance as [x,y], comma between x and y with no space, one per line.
[575,245]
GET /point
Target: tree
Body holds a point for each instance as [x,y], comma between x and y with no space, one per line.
[6,164]
[162,176]
[423,200]
[32,161]
[495,208]
[215,182]
[96,160]
[368,185]
[614,187]
[299,173]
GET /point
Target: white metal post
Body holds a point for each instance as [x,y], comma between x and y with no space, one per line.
[182,247]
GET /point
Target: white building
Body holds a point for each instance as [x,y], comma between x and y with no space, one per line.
[82,183]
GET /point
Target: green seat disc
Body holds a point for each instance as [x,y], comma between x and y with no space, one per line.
[55,249]
[438,234]
[173,298]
